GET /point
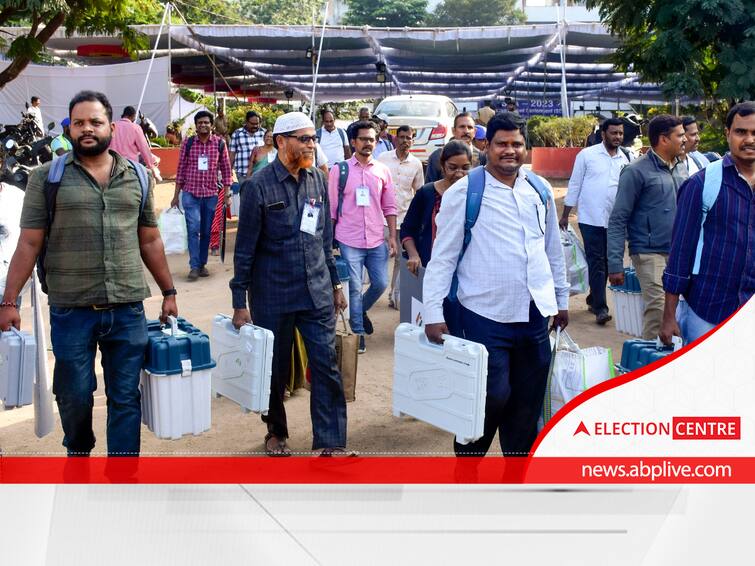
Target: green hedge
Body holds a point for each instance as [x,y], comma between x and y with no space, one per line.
[561,132]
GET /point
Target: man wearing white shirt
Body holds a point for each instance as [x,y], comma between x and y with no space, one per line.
[694,160]
[592,188]
[408,177]
[333,140]
[510,280]
[36,112]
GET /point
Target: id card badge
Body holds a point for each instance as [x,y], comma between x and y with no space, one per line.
[203,163]
[363,196]
[310,217]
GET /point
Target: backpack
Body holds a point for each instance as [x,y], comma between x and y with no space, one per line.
[626,152]
[714,174]
[475,189]
[52,184]
[341,133]
[343,177]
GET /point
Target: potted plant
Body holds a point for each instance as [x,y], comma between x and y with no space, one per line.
[562,139]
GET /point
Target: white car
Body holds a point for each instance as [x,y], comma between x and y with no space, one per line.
[431,117]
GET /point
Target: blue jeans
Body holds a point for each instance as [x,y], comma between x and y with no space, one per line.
[376,262]
[519,355]
[691,325]
[121,334]
[327,404]
[199,213]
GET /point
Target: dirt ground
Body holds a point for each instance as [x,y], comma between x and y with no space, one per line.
[372,428]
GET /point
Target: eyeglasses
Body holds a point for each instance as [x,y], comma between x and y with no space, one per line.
[302,139]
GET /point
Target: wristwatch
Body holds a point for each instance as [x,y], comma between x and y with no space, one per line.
[337,287]
[170,292]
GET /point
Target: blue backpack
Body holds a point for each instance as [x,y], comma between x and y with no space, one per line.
[475,190]
[52,184]
[714,174]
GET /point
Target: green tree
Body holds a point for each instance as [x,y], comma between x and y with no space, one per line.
[208,11]
[44,17]
[281,12]
[690,47]
[474,13]
[386,13]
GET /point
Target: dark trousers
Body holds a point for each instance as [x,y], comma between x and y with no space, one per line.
[519,355]
[596,242]
[327,402]
[121,335]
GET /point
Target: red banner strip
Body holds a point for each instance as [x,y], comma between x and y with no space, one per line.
[360,470]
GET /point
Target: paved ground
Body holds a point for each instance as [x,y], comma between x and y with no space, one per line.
[372,428]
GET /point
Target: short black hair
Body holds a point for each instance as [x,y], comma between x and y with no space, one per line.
[252,114]
[34,99]
[688,121]
[91,96]
[662,125]
[463,115]
[454,148]
[405,128]
[363,125]
[507,121]
[325,111]
[608,122]
[203,114]
[742,109]
[129,112]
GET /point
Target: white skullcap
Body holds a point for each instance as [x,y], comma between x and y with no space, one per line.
[291,122]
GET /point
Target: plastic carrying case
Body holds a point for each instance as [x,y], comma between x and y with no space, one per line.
[175,380]
[442,385]
[628,305]
[18,366]
[244,364]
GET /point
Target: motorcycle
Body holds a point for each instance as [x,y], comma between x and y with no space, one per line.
[22,150]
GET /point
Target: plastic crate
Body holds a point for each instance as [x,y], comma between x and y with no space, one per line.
[442,385]
[639,353]
[244,364]
[175,380]
[18,365]
[629,307]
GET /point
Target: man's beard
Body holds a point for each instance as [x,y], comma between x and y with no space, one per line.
[90,151]
[301,161]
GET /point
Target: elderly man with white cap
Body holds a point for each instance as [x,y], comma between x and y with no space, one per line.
[284,265]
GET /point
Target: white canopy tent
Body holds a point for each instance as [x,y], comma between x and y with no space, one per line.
[56,85]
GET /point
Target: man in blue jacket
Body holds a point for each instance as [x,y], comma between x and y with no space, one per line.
[644,214]
[711,263]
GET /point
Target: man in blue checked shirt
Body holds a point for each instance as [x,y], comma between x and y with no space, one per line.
[725,278]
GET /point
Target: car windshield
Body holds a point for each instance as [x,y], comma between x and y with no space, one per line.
[417,108]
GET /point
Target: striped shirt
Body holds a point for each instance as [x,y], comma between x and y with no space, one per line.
[93,255]
[727,267]
[242,144]
[203,183]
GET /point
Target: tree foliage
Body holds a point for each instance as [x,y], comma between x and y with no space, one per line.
[281,12]
[474,13]
[208,11]
[690,47]
[386,13]
[44,17]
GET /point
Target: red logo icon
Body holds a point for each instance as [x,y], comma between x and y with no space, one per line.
[581,428]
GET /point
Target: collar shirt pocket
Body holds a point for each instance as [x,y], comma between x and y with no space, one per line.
[532,212]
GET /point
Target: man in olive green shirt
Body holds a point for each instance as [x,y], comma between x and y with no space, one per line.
[97,242]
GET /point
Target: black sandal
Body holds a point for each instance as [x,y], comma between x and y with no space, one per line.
[279,448]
